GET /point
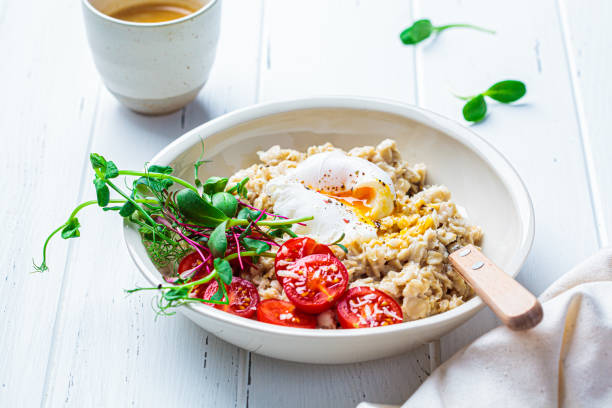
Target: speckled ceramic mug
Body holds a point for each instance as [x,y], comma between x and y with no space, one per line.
[153,68]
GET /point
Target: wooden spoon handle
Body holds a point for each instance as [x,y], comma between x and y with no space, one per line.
[512,303]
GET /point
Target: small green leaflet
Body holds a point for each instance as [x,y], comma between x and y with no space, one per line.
[176,294]
[507,91]
[475,109]
[224,270]
[255,245]
[214,185]
[111,170]
[97,161]
[159,169]
[102,192]
[153,184]
[248,214]
[422,29]
[196,209]
[218,240]
[71,230]
[225,202]
[218,294]
[417,32]
[240,188]
[127,209]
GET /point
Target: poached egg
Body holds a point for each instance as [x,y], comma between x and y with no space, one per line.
[345,194]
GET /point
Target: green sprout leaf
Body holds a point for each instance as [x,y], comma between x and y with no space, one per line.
[218,294]
[225,202]
[97,161]
[248,214]
[475,109]
[507,91]
[127,209]
[111,170]
[423,29]
[240,188]
[256,245]
[176,294]
[217,242]
[196,209]
[71,229]
[338,244]
[417,32]
[159,169]
[224,270]
[102,192]
[214,185]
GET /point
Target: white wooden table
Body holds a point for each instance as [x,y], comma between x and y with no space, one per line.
[71,337]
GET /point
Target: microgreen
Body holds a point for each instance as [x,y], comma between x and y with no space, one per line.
[507,91]
[338,244]
[213,223]
[217,242]
[225,202]
[420,30]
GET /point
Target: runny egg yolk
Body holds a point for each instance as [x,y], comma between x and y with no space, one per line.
[359,199]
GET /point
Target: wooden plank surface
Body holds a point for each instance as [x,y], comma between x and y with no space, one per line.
[72,338]
[588,44]
[45,128]
[109,350]
[540,135]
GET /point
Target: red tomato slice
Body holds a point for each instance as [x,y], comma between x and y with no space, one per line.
[314,282]
[243,297]
[190,261]
[296,248]
[283,313]
[366,307]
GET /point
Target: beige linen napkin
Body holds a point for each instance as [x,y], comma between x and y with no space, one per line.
[566,361]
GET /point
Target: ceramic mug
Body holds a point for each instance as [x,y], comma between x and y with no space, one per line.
[153,68]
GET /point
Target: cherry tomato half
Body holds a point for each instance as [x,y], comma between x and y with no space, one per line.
[366,307]
[313,283]
[296,248]
[283,313]
[190,261]
[243,297]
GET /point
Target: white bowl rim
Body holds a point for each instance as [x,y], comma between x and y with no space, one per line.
[237,117]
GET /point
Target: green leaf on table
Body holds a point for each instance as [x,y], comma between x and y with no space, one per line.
[71,229]
[475,109]
[196,209]
[225,202]
[217,242]
[214,185]
[256,245]
[507,91]
[102,192]
[224,270]
[417,32]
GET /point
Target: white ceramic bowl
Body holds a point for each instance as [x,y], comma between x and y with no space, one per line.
[479,177]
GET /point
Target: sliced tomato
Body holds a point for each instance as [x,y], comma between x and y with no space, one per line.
[283,313]
[314,283]
[243,297]
[366,307]
[296,248]
[192,260]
